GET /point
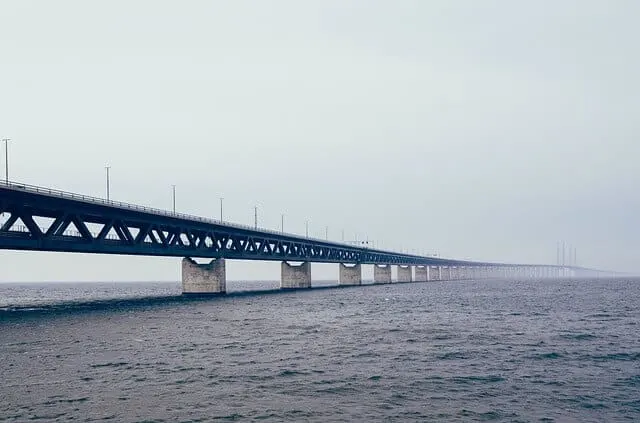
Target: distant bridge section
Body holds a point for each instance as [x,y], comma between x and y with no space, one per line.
[44,219]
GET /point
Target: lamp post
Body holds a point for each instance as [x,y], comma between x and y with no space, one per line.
[174,199]
[221,199]
[6,159]
[282,223]
[255,217]
[107,169]
[326,233]
[307,228]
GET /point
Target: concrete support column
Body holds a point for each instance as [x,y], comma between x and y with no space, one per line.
[350,275]
[445,273]
[202,279]
[421,274]
[462,273]
[455,273]
[382,273]
[435,273]
[405,274]
[295,277]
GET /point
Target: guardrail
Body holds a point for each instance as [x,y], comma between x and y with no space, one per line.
[134,207]
[159,212]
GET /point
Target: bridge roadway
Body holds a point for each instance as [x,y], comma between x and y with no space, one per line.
[45,219]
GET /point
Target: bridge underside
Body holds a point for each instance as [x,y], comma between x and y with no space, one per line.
[42,222]
[41,219]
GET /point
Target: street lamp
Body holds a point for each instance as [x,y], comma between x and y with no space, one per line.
[6,159]
[282,223]
[255,217]
[326,233]
[221,199]
[307,228]
[107,169]
[174,199]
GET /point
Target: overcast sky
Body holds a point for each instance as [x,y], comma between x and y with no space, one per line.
[484,130]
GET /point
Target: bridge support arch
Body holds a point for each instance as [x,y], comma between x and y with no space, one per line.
[381,273]
[350,274]
[295,276]
[405,274]
[205,278]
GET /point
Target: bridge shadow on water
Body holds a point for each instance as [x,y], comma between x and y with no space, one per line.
[62,308]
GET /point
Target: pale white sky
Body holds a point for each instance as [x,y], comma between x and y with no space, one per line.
[484,130]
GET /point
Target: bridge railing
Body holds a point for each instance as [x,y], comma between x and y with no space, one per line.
[134,207]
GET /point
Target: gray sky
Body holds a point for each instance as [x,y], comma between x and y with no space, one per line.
[484,130]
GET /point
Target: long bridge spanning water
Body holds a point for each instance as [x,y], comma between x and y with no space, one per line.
[44,219]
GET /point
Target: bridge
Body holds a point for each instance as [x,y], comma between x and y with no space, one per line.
[45,219]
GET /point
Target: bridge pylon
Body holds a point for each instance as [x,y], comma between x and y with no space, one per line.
[405,274]
[350,274]
[203,279]
[295,276]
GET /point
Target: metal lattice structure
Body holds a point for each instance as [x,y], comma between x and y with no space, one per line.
[43,219]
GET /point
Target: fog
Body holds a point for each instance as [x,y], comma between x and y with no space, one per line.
[474,130]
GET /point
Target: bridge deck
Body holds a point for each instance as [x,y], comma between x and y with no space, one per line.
[44,219]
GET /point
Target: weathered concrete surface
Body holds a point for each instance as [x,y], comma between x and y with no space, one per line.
[462,273]
[381,273]
[456,273]
[435,273]
[453,273]
[206,278]
[350,275]
[295,276]
[445,273]
[405,274]
[421,274]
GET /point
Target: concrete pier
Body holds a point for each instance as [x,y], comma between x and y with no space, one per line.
[203,279]
[350,274]
[381,273]
[445,273]
[435,273]
[405,274]
[421,274]
[453,273]
[295,276]
[462,273]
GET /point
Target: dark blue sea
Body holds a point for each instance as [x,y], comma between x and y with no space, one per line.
[504,351]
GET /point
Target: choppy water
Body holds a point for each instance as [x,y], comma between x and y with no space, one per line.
[445,351]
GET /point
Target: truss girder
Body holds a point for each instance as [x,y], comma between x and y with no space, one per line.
[102,228]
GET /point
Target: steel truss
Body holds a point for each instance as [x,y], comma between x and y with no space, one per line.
[44,219]
[80,224]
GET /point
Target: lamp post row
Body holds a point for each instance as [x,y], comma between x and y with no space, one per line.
[173,198]
[108,193]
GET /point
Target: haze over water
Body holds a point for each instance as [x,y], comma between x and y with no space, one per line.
[442,351]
